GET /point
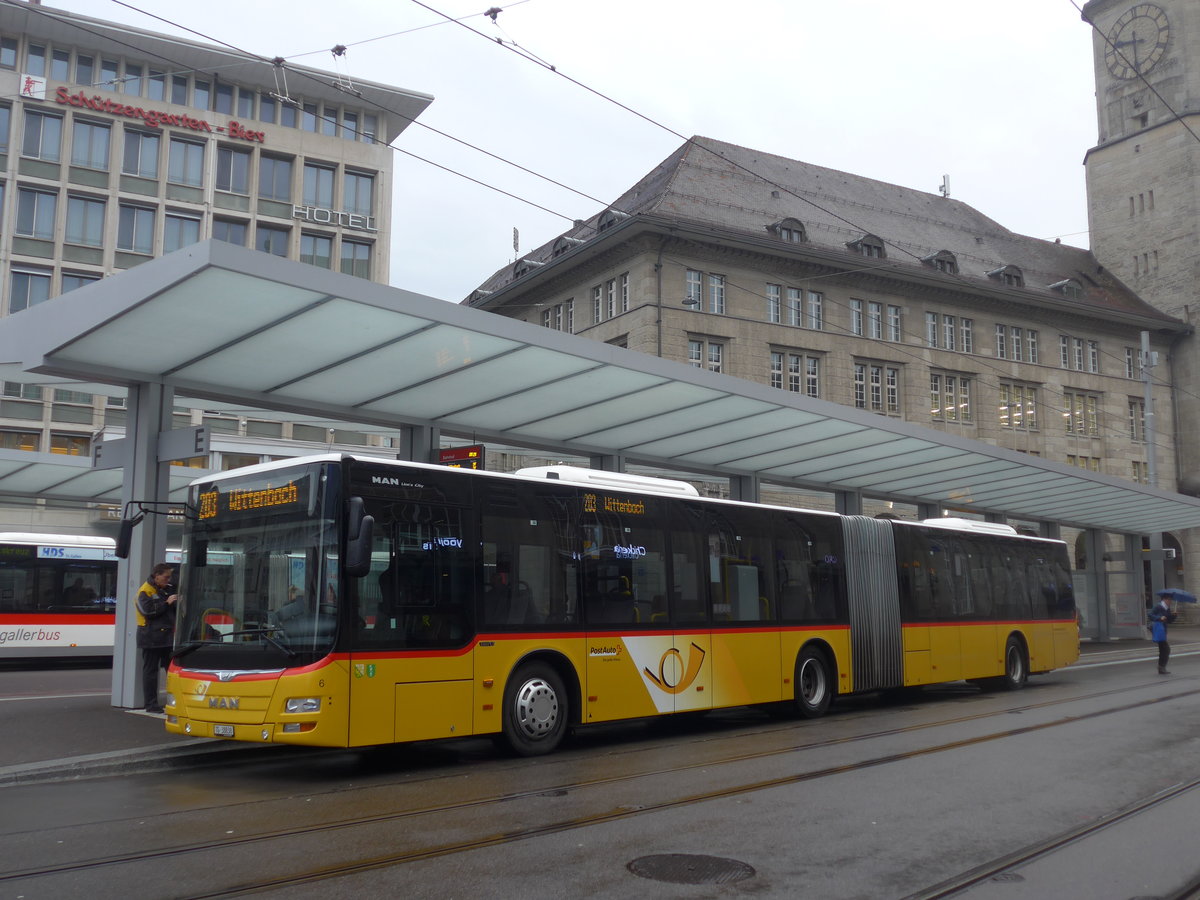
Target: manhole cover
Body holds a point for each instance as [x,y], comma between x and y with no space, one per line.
[685,868]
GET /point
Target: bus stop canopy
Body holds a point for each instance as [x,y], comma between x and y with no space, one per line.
[234,325]
[40,476]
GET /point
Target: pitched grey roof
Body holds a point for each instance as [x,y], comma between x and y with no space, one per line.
[737,188]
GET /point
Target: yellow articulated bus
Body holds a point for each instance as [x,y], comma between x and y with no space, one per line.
[343,601]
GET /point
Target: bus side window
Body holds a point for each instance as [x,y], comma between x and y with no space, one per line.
[964,600]
[737,568]
[981,577]
[793,574]
[689,597]
[529,573]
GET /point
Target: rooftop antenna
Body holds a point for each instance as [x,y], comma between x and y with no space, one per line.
[945,188]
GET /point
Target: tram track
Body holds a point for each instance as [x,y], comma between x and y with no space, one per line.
[960,884]
[598,816]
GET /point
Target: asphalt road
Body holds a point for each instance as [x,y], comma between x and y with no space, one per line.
[1079,786]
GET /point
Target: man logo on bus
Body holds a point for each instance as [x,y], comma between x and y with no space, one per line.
[662,679]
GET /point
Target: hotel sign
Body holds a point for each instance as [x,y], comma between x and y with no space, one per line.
[321,216]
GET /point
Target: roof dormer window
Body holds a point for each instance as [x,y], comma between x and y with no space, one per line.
[1008,275]
[789,230]
[869,245]
[565,243]
[1069,288]
[609,218]
[943,261]
[523,267]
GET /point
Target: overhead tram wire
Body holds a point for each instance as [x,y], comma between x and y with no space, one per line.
[528,55]
[389,111]
[525,54]
[383,37]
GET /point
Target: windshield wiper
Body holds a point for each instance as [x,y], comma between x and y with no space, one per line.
[189,647]
[267,635]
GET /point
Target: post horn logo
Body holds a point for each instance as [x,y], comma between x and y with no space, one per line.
[694,662]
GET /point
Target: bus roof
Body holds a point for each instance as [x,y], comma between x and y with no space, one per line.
[57,540]
[617,481]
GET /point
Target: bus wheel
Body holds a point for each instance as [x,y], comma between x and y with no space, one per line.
[535,710]
[814,685]
[1016,669]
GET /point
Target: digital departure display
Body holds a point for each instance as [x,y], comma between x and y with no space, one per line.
[604,503]
[250,497]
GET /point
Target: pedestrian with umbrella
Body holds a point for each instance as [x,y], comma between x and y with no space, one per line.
[1163,615]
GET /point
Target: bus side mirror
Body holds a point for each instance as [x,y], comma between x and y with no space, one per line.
[360,530]
[125,536]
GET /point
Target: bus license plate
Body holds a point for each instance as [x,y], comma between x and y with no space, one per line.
[223,731]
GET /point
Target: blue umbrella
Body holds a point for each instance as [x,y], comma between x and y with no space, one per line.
[1178,594]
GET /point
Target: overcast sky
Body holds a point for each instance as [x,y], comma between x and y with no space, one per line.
[998,96]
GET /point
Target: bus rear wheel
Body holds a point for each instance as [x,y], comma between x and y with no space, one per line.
[535,710]
[814,684]
[1016,669]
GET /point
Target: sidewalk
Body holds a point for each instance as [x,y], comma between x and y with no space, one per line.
[1181,637]
[82,735]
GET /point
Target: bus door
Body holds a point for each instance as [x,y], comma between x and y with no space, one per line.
[530,588]
[932,649]
[738,566]
[1066,626]
[1043,587]
[949,582]
[410,666]
[689,671]
[916,607]
[636,664]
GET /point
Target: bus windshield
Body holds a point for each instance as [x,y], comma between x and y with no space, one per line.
[260,576]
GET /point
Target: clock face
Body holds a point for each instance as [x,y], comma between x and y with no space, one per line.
[1137,41]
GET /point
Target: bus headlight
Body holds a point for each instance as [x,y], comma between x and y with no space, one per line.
[302,704]
[170,699]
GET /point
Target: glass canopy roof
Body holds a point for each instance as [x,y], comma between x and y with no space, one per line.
[236,326]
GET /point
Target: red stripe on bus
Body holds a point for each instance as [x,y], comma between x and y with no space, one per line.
[45,618]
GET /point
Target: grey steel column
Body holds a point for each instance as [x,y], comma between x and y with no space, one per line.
[614,463]
[148,413]
[420,442]
[744,487]
[849,503]
[1149,361]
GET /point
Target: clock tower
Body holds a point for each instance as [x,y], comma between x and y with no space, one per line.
[1143,186]
[1143,175]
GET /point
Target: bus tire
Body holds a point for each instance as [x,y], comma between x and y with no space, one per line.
[1016,666]
[814,684]
[535,710]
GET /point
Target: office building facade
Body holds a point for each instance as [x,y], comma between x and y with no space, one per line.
[118,145]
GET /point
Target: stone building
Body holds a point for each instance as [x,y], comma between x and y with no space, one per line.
[847,289]
[118,145]
[1143,180]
